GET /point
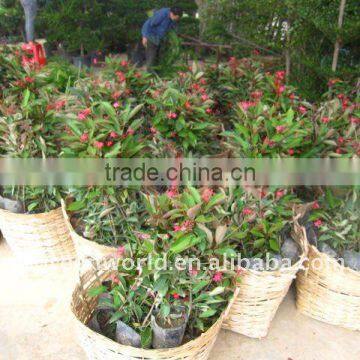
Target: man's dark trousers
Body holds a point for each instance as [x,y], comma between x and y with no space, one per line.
[151,53]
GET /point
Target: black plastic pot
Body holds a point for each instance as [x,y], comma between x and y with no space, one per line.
[164,338]
[14,206]
[126,335]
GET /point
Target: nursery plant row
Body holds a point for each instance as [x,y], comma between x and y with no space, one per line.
[248,243]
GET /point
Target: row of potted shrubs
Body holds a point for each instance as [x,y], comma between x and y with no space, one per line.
[233,109]
[146,307]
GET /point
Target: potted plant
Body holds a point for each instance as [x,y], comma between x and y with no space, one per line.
[175,298]
[332,272]
[102,218]
[32,223]
[265,231]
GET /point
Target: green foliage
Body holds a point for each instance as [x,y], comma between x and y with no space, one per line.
[259,221]
[337,219]
[101,25]
[37,199]
[11,20]
[312,31]
[107,215]
[71,23]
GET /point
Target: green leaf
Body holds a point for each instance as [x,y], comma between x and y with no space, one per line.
[274,245]
[215,200]
[228,251]
[115,317]
[207,313]
[184,243]
[259,243]
[217,291]
[76,205]
[134,111]
[200,285]
[26,97]
[97,290]
[161,286]
[32,206]
[195,194]
[108,108]
[146,338]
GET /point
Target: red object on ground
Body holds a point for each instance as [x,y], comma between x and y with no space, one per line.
[35,54]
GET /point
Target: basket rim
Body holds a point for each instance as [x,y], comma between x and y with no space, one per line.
[333,261]
[78,238]
[39,215]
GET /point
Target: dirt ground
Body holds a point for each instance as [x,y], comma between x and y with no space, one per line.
[36,323]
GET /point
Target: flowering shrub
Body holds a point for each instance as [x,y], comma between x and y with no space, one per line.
[187,221]
[183,111]
[260,223]
[264,116]
[337,123]
[100,129]
[133,296]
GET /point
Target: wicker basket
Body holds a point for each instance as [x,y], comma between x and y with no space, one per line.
[86,249]
[100,347]
[328,291]
[38,238]
[261,293]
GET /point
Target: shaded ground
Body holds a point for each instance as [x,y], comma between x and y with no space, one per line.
[35,323]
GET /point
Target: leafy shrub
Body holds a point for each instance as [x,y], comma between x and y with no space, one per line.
[107,215]
[259,222]
[336,219]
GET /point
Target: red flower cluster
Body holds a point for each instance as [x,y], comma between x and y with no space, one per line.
[172,115]
[172,192]
[280,129]
[245,105]
[218,276]
[207,194]
[247,211]
[58,105]
[233,63]
[29,79]
[257,94]
[187,225]
[121,76]
[279,86]
[82,115]
[99,144]
[84,137]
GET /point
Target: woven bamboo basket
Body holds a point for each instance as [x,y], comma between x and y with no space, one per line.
[261,293]
[99,347]
[86,249]
[328,291]
[38,238]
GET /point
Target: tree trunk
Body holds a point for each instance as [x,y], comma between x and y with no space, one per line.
[338,40]
[30,9]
